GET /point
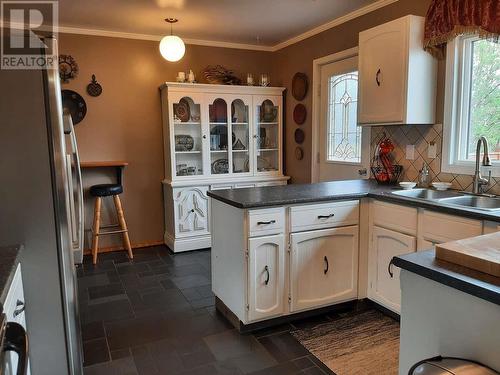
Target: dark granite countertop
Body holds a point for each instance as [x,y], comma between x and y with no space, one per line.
[465,279]
[269,196]
[9,259]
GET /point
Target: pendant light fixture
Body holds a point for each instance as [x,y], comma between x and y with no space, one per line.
[172,47]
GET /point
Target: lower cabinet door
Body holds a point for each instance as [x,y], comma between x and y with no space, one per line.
[266,273]
[383,287]
[191,211]
[324,267]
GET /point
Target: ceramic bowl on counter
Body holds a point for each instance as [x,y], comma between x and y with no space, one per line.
[407,185]
[441,186]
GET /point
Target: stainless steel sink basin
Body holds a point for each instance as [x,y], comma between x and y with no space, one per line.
[426,194]
[472,201]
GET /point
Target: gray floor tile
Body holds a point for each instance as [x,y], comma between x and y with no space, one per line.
[124,366]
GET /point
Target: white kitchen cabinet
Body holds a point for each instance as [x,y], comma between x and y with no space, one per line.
[14,310]
[397,78]
[266,277]
[215,136]
[435,228]
[386,244]
[324,267]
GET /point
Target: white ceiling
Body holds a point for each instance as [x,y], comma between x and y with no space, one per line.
[255,22]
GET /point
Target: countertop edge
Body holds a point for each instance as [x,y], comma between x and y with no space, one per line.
[448,279]
[368,193]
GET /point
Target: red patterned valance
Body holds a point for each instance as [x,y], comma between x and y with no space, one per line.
[448,18]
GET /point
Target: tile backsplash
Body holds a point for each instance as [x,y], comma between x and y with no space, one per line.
[421,136]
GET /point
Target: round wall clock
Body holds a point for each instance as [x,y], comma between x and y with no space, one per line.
[68,68]
[74,104]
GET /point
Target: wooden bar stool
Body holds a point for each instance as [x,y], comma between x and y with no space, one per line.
[102,191]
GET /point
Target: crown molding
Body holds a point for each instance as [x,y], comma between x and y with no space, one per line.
[157,38]
[211,43]
[331,24]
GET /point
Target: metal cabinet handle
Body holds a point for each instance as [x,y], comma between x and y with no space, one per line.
[266,269]
[266,222]
[325,271]
[389,269]
[377,77]
[20,308]
[325,216]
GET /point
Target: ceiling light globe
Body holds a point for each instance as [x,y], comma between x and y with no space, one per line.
[172,48]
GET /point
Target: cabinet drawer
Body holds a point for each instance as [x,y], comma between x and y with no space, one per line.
[266,221]
[394,216]
[437,228]
[324,215]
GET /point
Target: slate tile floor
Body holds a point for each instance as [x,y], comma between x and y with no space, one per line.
[156,315]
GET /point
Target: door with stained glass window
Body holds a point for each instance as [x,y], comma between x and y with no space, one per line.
[344,146]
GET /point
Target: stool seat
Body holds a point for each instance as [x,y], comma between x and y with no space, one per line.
[106,190]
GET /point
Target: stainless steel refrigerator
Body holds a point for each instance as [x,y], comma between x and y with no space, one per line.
[35,211]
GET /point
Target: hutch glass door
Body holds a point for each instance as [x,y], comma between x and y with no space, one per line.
[241,136]
[220,139]
[267,136]
[188,140]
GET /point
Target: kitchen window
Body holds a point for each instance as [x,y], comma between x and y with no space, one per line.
[472,103]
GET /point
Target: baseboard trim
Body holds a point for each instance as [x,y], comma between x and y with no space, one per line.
[135,246]
[179,245]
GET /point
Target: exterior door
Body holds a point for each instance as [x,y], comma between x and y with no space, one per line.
[344,147]
[324,267]
[386,244]
[266,273]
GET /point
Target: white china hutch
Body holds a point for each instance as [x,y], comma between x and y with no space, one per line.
[215,137]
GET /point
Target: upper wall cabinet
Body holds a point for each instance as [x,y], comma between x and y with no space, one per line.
[397,78]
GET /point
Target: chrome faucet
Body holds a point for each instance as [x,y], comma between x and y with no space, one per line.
[480,182]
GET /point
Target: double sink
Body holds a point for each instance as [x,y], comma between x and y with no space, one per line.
[478,202]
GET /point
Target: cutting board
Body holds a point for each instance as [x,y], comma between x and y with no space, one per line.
[481,253]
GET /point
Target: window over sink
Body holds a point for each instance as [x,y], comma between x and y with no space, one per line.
[472,103]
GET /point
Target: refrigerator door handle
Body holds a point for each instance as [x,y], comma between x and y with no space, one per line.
[16,340]
[79,188]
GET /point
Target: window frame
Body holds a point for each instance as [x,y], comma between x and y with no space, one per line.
[457,91]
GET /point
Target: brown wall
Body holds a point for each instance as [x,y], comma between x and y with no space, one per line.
[299,58]
[124,123]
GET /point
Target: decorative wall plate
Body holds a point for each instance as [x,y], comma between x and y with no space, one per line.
[299,114]
[74,104]
[68,68]
[182,110]
[94,88]
[299,153]
[299,86]
[299,136]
